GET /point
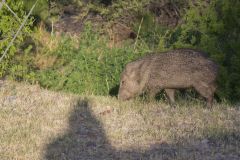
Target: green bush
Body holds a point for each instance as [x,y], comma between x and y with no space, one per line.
[214,28]
[23,68]
[149,30]
[9,25]
[41,10]
[91,67]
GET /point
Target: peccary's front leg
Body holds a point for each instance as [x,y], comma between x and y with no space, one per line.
[171,96]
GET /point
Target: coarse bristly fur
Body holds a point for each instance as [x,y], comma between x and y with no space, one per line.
[180,68]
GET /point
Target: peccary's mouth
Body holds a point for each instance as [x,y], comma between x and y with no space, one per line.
[124,95]
[123,98]
[126,99]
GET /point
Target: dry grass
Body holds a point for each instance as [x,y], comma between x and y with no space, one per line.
[40,124]
[44,38]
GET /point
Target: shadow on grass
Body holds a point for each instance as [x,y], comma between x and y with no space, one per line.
[114,91]
[86,140]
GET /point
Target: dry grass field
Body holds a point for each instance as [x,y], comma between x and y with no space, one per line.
[39,124]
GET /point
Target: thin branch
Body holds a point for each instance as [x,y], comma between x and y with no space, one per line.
[16,16]
[4,3]
[18,31]
[139,28]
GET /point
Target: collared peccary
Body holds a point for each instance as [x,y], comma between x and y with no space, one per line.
[180,68]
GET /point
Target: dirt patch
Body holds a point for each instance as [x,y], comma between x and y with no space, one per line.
[119,32]
[72,20]
[166,14]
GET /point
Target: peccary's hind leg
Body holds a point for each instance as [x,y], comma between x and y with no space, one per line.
[207,91]
[171,96]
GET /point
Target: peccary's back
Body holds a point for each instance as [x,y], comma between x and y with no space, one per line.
[180,68]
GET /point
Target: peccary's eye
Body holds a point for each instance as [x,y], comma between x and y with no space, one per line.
[123,82]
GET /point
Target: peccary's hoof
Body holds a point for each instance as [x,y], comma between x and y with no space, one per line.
[208,106]
[173,105]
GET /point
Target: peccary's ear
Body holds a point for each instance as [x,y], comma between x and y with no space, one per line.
[144,70]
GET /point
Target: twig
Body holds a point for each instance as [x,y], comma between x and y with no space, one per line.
[12,12]
[52,29]
[18,31]
[139,28]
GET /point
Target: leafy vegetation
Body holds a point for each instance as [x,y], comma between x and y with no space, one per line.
[87,64]
[41,11]
[215,29]
[9,25]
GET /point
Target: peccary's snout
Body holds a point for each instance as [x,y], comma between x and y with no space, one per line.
[121,97]
[124,95]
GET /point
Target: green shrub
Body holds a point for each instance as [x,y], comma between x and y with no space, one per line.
[23,68]
[9,25]
[91,67]
[215,29]
[41,10]
[149,30]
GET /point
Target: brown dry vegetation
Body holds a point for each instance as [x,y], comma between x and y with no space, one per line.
[40,124]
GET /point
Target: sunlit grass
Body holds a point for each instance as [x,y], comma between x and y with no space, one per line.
[31,119]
